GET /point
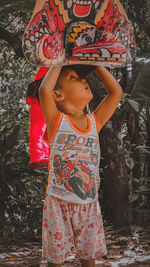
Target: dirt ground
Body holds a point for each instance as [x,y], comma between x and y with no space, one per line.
[126,247]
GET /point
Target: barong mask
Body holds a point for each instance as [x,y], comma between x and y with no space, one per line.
[91,32]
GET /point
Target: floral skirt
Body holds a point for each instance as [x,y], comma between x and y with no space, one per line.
[68,224]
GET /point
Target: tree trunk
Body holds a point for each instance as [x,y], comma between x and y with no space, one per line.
[2,198]
[148,138]
[116,205]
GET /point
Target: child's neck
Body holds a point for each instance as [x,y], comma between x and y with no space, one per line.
[76,115]
[80,120]
[75,112]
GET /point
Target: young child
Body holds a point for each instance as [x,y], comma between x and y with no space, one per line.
[71,213]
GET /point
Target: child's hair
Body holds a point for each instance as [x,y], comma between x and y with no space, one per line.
[33,89]
[58,84]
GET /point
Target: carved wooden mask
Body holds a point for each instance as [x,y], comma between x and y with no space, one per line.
[93,32]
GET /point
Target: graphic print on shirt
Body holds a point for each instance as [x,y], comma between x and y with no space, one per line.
[75,170]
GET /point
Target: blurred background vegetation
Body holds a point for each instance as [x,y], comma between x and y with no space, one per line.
[125,139]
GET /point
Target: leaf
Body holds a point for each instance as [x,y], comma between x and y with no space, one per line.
[143,149]
[129,162]
[141,87]
[134,104]
[124,95]
[142,188]
[133,197]
[136,180]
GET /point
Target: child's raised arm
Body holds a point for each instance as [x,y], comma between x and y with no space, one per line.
[46,94]
[108,106]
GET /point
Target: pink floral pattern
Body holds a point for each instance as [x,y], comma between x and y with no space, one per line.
[69,224]
[58,236]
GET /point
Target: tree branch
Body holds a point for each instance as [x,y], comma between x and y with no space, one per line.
[13,41]
[9,6]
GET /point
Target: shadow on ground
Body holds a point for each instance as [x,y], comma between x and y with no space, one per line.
[126,247]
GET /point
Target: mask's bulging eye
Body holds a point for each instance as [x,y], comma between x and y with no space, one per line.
[86,37]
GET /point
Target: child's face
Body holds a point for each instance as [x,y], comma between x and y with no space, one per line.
[75,89]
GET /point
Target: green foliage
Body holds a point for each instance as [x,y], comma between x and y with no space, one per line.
[141,87]
[136,137]
[139,15]
[22,189]
[9,6]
